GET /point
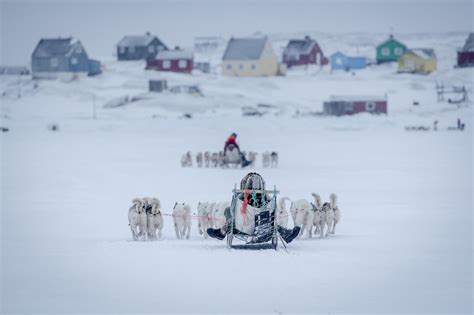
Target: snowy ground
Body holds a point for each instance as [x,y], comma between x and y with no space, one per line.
[404,243]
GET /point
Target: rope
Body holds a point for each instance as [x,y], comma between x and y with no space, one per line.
[194,216]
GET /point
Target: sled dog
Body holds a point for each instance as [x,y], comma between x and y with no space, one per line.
[182,220]
[204,217]
[137,219]
[154,218]
[302,216]
[282,214]
[319,217]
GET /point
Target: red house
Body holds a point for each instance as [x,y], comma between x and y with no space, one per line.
[172,60]
[303,52]
[466,54]
[350,105]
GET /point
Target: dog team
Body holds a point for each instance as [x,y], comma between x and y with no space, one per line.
[215,159]
[146,220]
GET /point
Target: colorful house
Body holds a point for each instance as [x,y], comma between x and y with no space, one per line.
[303,52]
[139,47]
[390,50]
[250,57]
[466,54]
[418,60]
[350,105]
[62,57]
[176,60]
[339,61]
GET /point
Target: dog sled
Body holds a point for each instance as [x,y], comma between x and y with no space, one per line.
[232,156]
[252,215]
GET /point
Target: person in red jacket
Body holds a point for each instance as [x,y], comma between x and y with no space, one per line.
[232,140]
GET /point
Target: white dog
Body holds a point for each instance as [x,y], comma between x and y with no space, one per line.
[215,159]
[207,158]
[329,216]
[319,217]
[182,220]
[204,217]
[199,159]
[154,218]
[252,157]
[218,217]
[137,219]
[187,160]
[282,213]
[337,212]
[302,216]
[266,159]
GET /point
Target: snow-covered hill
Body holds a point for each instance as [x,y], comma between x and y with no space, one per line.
[301,92]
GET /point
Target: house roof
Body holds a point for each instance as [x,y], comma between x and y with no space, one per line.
[354,98]
[48,47]
[299,46]
[244,48]
[391,38]
[338,53]
[136,40]
[425,53]
[469,45]
[174,54]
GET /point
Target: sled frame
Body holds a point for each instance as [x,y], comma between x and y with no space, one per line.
[254,245]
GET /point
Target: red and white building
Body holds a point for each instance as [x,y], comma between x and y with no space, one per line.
[172,60]
[303,52]
[350,105]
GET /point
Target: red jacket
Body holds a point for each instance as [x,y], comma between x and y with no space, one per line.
[230,140]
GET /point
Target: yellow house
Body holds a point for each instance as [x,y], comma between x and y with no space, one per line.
[420,60]
[250,57]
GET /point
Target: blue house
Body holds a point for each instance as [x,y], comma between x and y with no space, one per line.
[139,47]
[339,61]
[62,57]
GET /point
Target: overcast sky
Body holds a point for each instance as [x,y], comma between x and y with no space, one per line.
[100,24]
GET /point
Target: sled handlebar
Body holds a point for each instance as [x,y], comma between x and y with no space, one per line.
[256,191]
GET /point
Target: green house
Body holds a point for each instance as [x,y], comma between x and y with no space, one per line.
[390,50]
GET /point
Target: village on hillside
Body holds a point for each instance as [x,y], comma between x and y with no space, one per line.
[253,56]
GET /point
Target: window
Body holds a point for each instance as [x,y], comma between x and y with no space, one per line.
[385,51]
[370,106]
[182,64]
[122,50]
[292,57]
[398,51]
[151,49]
[131,49]
[166,64]
[339,61]
[253,66]
[229,66]
[160,48]
[241,66]
[79,49]
[74,61]
[54,62]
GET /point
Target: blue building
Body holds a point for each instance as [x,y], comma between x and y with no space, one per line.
[339,61]
[62,57]
[139,47]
